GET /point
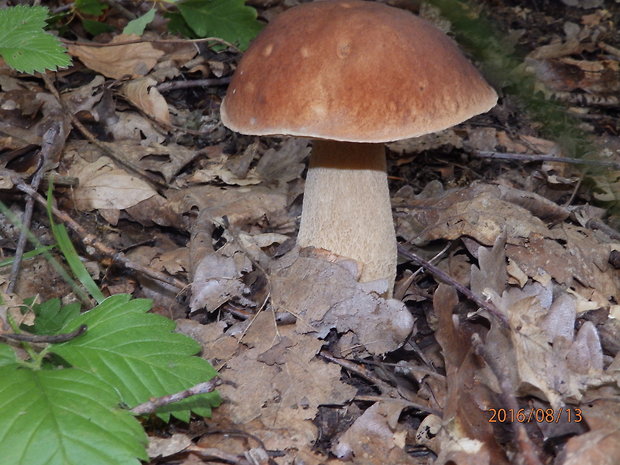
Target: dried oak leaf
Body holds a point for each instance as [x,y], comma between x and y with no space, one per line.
[573,256]
[117,62]
[323,295]
[375,438]
[144,95]
[280,383]
[241,205]
[467,436]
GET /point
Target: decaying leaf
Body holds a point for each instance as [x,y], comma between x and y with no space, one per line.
[572,255]
[117,62]
[102,186]
[280,383]
[323,295]
[373,439]
[144,95]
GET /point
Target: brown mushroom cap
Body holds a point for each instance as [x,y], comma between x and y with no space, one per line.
[353,71]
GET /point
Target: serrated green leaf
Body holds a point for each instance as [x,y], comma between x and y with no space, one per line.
[139,354]
[230,20]
[23,43]
[137,26]
[64,417]
[52,315]
[7,356]
[91,7]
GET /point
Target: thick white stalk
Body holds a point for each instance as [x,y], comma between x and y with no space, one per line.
[347,209]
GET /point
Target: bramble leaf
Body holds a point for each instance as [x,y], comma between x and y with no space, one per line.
[230,20]
[64,417]
[23,43]
[139,354]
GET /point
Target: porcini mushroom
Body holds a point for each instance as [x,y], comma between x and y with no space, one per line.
[352,75]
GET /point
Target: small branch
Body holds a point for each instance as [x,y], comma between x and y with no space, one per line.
[544,157]
[91,240]
[153,404]
[49,147]
[174,85]
[217,40]
[446,278]
[46,339]
[152,180]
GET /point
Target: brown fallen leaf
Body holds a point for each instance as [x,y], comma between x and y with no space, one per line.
[144,95]
[118,62]
[323,295]
[375,438]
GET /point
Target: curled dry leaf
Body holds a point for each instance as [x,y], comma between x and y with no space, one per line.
[373,439]
[217,280]
[117,62]
[144,95]
[467,436]
[573,256]
[549,361]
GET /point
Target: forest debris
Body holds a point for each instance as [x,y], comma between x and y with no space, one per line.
[551,363]
[284,164]
[574,256]
[324,295]
[280,384]
[240,205]
[103,186]
[145,96]
[374,437]
[467,435]
[601,444]
[118,62]
[164,447]
[217,279]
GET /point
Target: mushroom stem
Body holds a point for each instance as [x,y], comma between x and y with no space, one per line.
[347,208]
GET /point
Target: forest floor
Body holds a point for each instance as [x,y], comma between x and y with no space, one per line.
[514,352]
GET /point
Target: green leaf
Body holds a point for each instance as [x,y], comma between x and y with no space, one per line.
[139,354]
[23,43]
[64,417]
[51,316]
[28,255]
[68,250]
[96,27]
[138,25]
[230,20]
[7,356]
[91,7]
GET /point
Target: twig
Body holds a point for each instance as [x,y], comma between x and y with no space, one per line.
[543,157]
[174,85]
[446,278]
[91,240]
[150,179]
[49,146]
[408,403]
[154,41]
[121,9]
[525,447]
[153,404]
[212,454]
[45,338]
[598,224]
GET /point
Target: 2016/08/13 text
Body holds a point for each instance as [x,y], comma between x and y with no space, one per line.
[539,415]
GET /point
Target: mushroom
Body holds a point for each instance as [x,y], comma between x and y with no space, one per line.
[352,75]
